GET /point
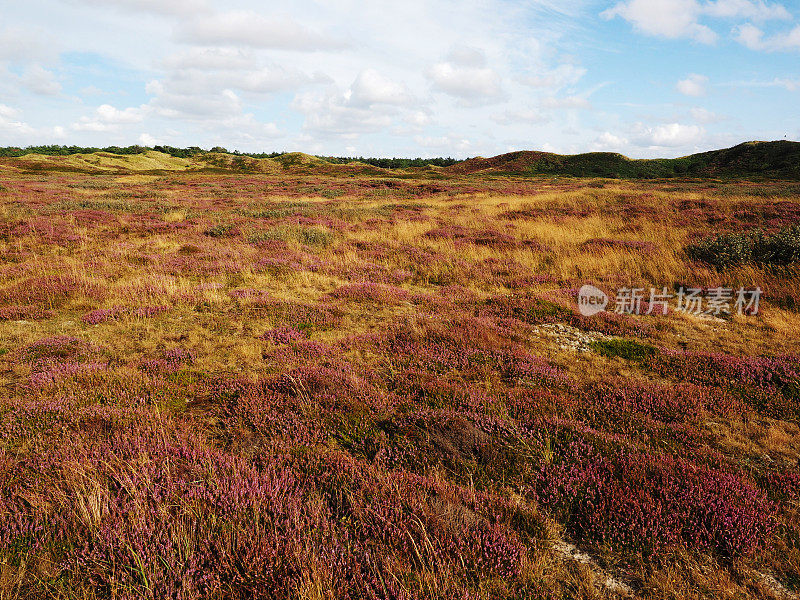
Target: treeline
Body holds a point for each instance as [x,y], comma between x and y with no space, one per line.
[53,150]
[394,163]
[385,163]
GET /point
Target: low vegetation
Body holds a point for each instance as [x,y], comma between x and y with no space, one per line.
[288,384]
[780,248]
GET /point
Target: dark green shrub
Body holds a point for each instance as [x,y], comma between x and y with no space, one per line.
[221,230]
[777,249]
[627,349]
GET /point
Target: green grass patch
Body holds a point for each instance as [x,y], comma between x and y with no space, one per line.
[627,349]
[309,236]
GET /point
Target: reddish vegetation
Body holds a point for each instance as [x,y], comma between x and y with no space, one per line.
[256,386]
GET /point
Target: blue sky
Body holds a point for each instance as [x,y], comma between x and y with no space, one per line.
[414,78]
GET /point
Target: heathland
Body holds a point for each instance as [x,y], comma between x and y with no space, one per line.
[228,376]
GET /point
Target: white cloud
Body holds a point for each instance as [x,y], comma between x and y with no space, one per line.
[159,7]
[675,19]
[211,105]
[669,136]
[148,140]
[109,114]
[465,83]
[445,144]
[249,28]
[664,18]
[25,44]
[693,85]
[607,141]
[574,101]
[7,112]
[40,81]
[210,58]
[108,118]
[747,9]
[466,56]
[557,78]
[417,118]
[788,83]
[465,75]
[371,87]
[331,112]
[751,36]
[702,115]
[19,133]
[522,115]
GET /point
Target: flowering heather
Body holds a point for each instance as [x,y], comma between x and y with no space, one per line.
[370,292]
[58,347]
[26,312]
[462,235]
[296,314]
[101,315]
[51,291]
[634,500]
[361,395]
[769,384]
[646,247]
[249,294]
[284,335]
[170,361]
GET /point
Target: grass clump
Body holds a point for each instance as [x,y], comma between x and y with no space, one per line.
[309,236]
[221,230]
[781,248]
[627,349]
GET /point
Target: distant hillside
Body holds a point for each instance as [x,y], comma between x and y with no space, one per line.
[768,160]
[779,160]
[98,162]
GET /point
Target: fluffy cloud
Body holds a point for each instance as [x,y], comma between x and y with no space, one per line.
[108,118]
[248,28]
[373,102]
[465,75]
[753,37]
[747,9]
[444,144]
[680,18]
[19,133]
[574,101]
[607,141]
[211,105]
[7,113]
[170,7]
[332,113]
[40,81]
[669,136]
[370,87]
[522,115]
[664,18]
[557,78]
[24,44]
[702,115]
[693,85]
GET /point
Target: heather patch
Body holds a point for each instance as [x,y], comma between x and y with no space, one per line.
[630,500]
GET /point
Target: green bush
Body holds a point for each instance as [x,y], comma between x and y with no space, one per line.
[221,230]
[627,349]
[777,249]
[310,236]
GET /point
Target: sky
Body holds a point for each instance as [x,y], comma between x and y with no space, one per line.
[647,78]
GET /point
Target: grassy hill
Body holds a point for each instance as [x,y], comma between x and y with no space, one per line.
[98,162]
[779,160]
[749,160]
